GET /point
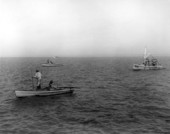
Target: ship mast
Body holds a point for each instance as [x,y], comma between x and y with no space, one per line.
[145,56]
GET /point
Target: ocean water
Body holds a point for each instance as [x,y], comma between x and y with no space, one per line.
[112,99]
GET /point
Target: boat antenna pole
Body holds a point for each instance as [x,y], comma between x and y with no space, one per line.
[145,56]
[41,78]
[32,80]
[32,83]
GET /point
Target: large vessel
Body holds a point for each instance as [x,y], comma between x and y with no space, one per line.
[149,63]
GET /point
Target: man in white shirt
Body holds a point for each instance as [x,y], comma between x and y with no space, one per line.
[38,76]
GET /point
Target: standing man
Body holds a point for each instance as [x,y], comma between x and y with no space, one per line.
[38,76]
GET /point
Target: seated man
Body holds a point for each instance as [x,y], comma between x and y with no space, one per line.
[50,85]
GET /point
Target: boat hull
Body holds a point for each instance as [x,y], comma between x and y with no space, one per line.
[52,65]
[43,92]
[138,67]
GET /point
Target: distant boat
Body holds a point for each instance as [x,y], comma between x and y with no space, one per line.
[49,63]
[44,92]
[149,63]
[56,57]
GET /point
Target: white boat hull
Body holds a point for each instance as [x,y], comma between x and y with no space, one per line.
[42,92]
[138,67]
[52,65]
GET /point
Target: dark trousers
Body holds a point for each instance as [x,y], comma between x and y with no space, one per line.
[39,87]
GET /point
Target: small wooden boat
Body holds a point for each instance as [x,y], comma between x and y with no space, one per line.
[45,92]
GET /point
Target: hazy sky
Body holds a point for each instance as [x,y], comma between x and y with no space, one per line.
[84,27]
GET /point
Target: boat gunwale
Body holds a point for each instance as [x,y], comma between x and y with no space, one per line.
[30,93]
